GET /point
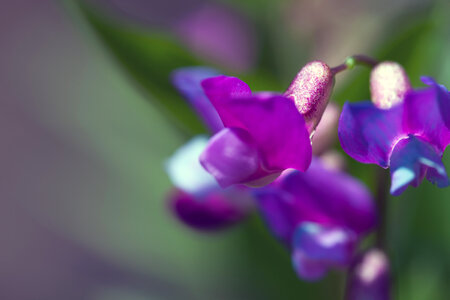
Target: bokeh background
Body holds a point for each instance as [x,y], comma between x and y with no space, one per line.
[87,119]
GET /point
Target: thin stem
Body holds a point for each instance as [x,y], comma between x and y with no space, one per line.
[381,199]
[352,61]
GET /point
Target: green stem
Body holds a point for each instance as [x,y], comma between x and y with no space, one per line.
[381,199]
[354,60]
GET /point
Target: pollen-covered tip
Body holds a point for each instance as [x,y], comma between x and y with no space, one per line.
[388,84]
[310,90]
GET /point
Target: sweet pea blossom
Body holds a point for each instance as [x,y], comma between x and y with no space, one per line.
[265,133]
[320,215]
[409,137]
[197,200]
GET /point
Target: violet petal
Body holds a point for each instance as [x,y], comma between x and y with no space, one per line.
[368,133]
[427,114]
[187,81]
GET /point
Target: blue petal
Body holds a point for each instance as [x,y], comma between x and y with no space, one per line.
[368,133]
[412,159]
[188,82]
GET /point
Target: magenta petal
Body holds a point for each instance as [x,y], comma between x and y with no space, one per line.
[187,81]
[427,114]
[221,89]
[368,134]
[231,157]
[411,159]
[275,125]
[317,248]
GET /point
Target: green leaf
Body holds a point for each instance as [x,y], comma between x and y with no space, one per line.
[149,58]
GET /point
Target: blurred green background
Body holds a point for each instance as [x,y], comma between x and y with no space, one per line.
[88,117]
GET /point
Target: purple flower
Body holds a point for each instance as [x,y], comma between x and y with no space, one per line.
[187,81]
[198,201]
[264,135]
[320,215]
[370,277]
[409,137]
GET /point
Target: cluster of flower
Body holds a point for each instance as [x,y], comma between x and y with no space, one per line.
[268,152]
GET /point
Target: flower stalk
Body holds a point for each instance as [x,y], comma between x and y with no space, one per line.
[355,60]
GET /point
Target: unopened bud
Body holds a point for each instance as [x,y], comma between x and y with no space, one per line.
[310,90]
[388,84]
[370,277]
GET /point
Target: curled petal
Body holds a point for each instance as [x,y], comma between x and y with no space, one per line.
[412,159]
[368,134]
[187,81]
[231,156]
[317,248]
[427,114]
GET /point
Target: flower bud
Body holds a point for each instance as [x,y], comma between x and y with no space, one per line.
[388,84]
[370,278]
[310,90]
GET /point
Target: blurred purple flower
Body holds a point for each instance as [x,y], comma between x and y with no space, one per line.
[370,277]
[220,35]
[198,201]
[319,214]
[264,134]
[410,137]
